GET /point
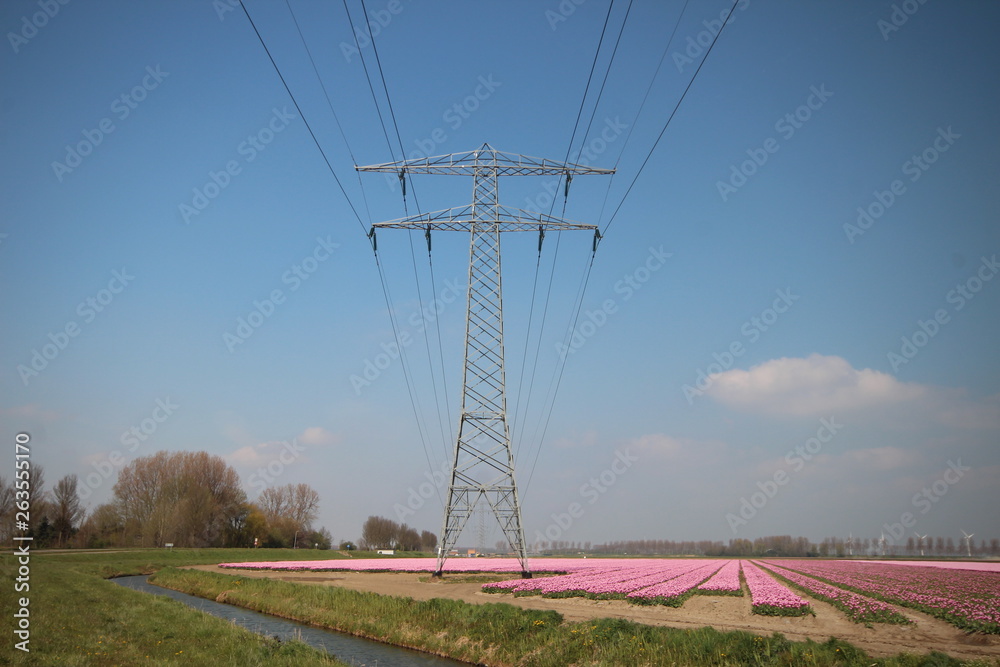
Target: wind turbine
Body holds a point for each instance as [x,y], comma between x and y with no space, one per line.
[850,544]
[968,542]
[920,542]
[881,543]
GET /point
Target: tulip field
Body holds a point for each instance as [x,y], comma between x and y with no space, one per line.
[858,608]
[724,582]
[966,595]
[769,597]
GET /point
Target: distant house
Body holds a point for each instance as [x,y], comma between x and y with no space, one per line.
[386,552]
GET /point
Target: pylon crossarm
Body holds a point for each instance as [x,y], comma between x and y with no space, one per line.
[463,218]
[485,158]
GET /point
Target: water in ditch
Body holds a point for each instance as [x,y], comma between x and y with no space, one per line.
[350,649]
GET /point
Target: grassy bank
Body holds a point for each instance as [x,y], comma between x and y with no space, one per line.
[502,634]
[78,618]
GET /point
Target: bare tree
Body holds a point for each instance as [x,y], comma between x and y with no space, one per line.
[407,539]
[187,498]
[289,509]
[104,527]
[38,505]
[67,512]
[274,502]
[304,505]
[379,533]
[428,541]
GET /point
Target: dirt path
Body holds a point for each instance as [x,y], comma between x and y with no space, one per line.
[723,613]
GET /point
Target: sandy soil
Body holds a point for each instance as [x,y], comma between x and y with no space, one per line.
[723,613]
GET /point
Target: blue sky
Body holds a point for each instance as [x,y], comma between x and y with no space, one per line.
[803,114]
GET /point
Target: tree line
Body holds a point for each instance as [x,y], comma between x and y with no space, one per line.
[781,545]
[381,533]
[188,499]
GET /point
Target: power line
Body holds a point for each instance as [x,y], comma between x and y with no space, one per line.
[669,118]
[607,71]
[364,65]
[590,77]
[303,117]
[569,149]
[329,104]
[642,105]
[416,277]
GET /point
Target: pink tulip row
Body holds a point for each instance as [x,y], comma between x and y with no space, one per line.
[725,582]
[947,564]
[674,591]
[968,599]
[770,597]
[859,608]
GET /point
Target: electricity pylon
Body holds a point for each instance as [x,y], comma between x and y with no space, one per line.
[483,464]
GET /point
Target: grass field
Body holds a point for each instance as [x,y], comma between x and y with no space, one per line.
[80,619]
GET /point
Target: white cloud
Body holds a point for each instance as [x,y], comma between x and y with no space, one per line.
[660,445]
[251,455]
[317,435]
[260,454]
[813,386]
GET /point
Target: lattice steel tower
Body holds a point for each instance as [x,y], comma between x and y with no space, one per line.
[483,464]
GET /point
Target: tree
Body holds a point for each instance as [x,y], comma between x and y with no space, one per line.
[67,512]
[379,533]
[316,539]
[186,498]
[304,504]
[407,539]
[38,505]
[255,530]
[289,509]
[104,527]
[428,541]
